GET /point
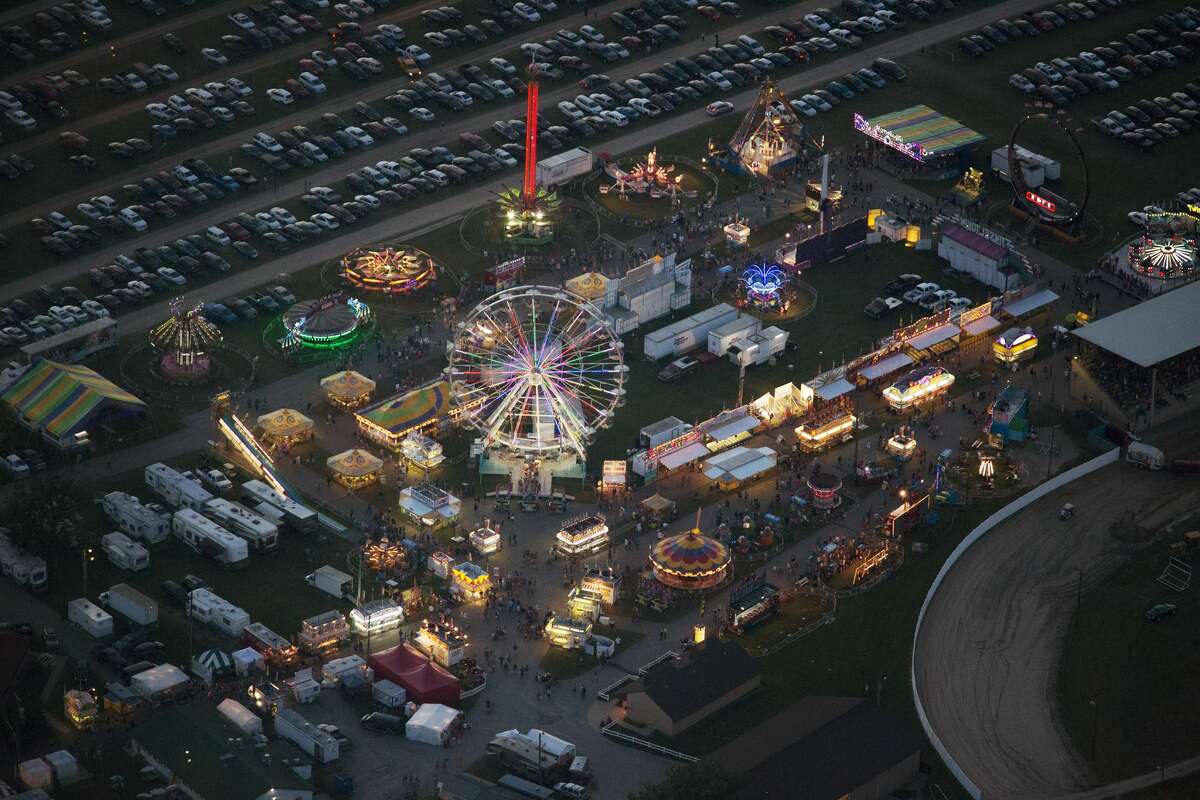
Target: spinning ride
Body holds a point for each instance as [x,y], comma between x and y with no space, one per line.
[327,323]
[399,270]
[647,177]
[541,369]
[186,340]
[1165,256]
[763,284]
[690,561]
[528,212]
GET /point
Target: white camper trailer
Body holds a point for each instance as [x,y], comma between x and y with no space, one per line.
[259,532]
[210,608]
[334,670]
[299,517]
[28,571]
[177,490]
[687,334]
[308,737]
[721,337]
[94,620]
[124,553]
[331,581]
[134,519]
[131,604]
[207,537]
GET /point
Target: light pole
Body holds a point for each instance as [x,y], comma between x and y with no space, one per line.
[88,555]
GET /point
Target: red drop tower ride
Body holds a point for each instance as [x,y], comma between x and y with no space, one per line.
[529,189]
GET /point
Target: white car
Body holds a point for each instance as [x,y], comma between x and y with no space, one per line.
[463,98]
[874,24]
[603,100]
[166,71]
[613,118]
[239,87]
[570,110]
[201,96]
[281,96]
[267,142]
[88,210]
[186,175]
[503,66]
[312,82]
[438,39]
[499,87]
[1021,83]
[158,111]
[801,107]
[215,56]
[362,7]
[61,316]
[284,216]
[326,221]
[95,309]
[418,54]
[1094,60]
[315,153]
[920,292]
[269,220]
[637,87]
[364,138]
[645,107]
[526,12]
[591,34]
[369,64]
[422,113]
[369,200]
[323,58]
[587,104]
[718,108]
[843,36]
[177,102]
[242,20]
[817,23]
[824,43]
[217,236]
[935,301]
[569,38]
[817,102]
[395,125]
[345,11]
[133,220]
[718,80]
[171,276]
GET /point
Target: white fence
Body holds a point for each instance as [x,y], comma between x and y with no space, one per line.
[1055,483]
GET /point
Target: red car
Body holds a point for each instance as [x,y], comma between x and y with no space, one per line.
[708,11]
[236,231]
[795,52]
[311,66]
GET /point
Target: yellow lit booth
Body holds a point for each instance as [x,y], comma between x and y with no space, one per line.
[286,427]
[355,468]
[470,579]
[1014,345]
[919,386]
[348,389]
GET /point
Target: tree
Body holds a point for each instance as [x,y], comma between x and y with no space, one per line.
[701,781]
[44,518]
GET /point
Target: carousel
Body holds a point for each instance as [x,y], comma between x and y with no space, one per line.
[347,389]
[392,270]
[386,556]
[1165,256]
[825,488]
[690,561]
[355,469]
[286,427]
[186,340]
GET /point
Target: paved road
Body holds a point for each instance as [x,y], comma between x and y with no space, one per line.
[307,113]
[988,652]
[434,210]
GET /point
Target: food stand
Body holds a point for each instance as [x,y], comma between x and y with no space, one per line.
[1015,345]
[903,445]
[604,582]
[286,427]
[325,631]
[80,707]
[583,606]
[354,468]
[907,515]
[612,475]
[918,386]
[485,539]
[347,389]
[583,534]
[826,428]
[421,451]
[439,564]
[568,633]
[471,580]
[444,642]
[737,234]
[430,506]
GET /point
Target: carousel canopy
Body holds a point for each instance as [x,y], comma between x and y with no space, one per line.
[348,383]
[354,463]
[690,553]
[284,423]
[590,285]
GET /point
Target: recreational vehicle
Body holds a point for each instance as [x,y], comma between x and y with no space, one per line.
[178,490]
[259,533]
[299,517]
[274,648]
[131,604]
[207,537]
[124,553]
[308,737]
[133,518]
[97,622]
[210,608]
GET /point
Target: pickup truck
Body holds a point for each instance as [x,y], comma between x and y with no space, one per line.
[677,369]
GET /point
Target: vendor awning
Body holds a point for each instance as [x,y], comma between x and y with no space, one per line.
[832,391]
[885,367]
[684,455]
[285,423]
[938,335]
[981,326]
[740,463]
[354,463]
[1033,302]
[732,428]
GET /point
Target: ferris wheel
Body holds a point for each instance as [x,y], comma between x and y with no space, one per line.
[538,369]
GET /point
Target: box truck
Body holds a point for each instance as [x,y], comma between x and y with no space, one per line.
[299,517]
[259,532]
[123,552]
[308,737]
[207,537]
[134,519]
[562,167]
[131,604]
[174,488]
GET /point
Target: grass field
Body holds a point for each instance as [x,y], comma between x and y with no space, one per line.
[1127,687]
[567,664]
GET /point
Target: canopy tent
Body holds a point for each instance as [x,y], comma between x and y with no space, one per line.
[423,680]
[1023,306]
[63,400]
[389,421]
[156,682]
[834,390]
[212,665]
[684,455]
[1150,332]
[657,504]
[431,724]
[286,425]
[347,389]
[937,335]
[885,367]
[589,285]
[354,468]
[740,463]
[733,427]
[429,505]
[919,132]
[978,327]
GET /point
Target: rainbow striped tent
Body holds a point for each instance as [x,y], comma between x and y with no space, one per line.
[389,421]
[926,132]
[60,400]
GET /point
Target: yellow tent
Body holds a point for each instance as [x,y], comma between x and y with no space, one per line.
[286,425]
[348,389]
[355,468]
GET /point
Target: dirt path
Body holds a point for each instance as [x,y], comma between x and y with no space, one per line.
[989,648]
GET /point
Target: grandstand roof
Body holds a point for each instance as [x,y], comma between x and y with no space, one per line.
[63,399]
[1150,332]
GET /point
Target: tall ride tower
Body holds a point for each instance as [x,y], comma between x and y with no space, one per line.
[527,213]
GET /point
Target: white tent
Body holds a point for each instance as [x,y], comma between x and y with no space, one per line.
[248,659]
[240,717]
[154,683]
[431,724]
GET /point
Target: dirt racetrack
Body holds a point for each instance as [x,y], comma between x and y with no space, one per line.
[988,651]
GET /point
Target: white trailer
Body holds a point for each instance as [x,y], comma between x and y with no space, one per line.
[205,536]
[389,695]
[1037,169]
[210,608]
[177,490]
[259,532]
[334,670]
[131,604]
[94,620]
[758,348]
[133,518]
[562,167]
[25,570]
[123,552]
[686,334]
[331,581]
[308,737]
[721,337]
[299,517]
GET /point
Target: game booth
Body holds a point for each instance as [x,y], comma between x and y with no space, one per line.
[918,386]
[828,424]
[1015,345]
[485,539]
[422,679]
[657,511]
[444,642]
[470,580]
[583,534]
[430,506]
[347,389]
[603,583]
[752,602]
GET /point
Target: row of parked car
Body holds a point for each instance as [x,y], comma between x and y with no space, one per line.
[1104,67]
[1151,121]
[53,25]
[911,288]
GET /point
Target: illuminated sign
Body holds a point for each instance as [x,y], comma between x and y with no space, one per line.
[917,386]
[922,325]
[1041,202]
[880,134]
[501,274]
[614,472]
[973,314]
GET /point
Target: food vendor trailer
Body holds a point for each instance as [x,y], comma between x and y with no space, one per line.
[325,631]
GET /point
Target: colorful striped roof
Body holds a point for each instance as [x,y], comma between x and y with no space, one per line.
[410,411]
[63,399]
[690,553]
[934,132]
[348,383]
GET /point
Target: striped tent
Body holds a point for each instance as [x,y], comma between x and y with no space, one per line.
[934,134]
[60,400]
[412,411]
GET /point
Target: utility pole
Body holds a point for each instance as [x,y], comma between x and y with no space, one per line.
[87,555]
